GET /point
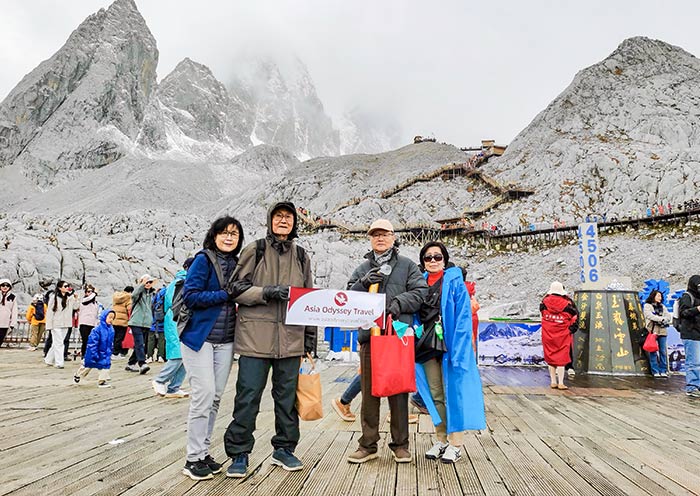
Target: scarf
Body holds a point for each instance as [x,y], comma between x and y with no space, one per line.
[383,258]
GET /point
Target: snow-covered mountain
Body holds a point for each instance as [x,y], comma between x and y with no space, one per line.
[83,107]
[625,134]
[285,108]
[96,100]
[189,118]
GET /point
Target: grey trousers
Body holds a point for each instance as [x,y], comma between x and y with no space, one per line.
[208,370]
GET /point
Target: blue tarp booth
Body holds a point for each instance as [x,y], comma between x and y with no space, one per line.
[341,339]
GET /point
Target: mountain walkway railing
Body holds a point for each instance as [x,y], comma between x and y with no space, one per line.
[428,231]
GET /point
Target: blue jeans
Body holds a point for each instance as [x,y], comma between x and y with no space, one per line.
[692,364]
[139,353]
[352,390]
[174,372]
[658,360]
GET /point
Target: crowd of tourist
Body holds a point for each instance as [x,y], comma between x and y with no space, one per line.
[231,300]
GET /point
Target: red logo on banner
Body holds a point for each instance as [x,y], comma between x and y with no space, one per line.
[341,299]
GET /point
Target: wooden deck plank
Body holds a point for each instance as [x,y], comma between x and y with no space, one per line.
[607,436]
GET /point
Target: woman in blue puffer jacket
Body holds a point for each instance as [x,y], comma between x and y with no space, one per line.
[98,353]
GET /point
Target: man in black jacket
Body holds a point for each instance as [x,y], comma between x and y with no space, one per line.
[405,289]
[689,320]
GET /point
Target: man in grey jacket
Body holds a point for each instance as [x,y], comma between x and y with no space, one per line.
[269,267]
[405,289]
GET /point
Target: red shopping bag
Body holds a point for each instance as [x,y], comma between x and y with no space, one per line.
[128,341]
[650,343]
[393,363]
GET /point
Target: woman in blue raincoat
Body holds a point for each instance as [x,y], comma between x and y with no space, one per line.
[447,376]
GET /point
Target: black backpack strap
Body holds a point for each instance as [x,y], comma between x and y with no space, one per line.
[301,255]
[259,250]
[217,268]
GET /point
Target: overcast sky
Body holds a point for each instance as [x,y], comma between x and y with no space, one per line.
[462,71]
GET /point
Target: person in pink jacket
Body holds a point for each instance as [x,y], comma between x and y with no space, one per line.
[87,316]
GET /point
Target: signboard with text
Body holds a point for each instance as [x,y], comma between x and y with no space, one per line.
[335,308]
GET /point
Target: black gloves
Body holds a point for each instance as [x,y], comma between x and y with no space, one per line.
[394,309]
[279,293]
[237,288]
[372,277]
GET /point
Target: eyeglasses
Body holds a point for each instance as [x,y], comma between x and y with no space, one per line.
[283,215]
[66,287]
[381,235]
[229,234]
[430,258]
[149,282]
[4,285]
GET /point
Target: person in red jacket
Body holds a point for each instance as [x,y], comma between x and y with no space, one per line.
[559,316]
[471,289]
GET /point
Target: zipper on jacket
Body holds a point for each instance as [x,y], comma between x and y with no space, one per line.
[277,323]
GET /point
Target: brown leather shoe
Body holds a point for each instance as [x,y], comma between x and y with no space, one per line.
[362,456]
[343,411]
[402,455]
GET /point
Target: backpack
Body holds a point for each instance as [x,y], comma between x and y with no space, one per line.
[158,306]
[260,252]
[39,313]
[676,314]
[182,314]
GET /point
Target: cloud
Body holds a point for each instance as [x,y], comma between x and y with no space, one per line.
[460,70]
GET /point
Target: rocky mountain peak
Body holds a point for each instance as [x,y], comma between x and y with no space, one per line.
[83,107]
[623,135]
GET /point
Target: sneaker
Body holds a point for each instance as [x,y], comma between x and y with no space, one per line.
[451,454]
[239,466]
[436,451]
[67,359]
[149,360]
[342,410]
[161,360]
[58,366]
[132,368]
[160,388]
[143,369]
[695,393]
[664,374]
[571,373]
[103,384]
[197,470]
[178,394]
[117,357]
[361,456]
[657,375]
[286,459]
[32,348]
[76,379]
[418,406]
[402,455]
[213,466]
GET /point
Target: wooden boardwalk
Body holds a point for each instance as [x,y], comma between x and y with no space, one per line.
[603,436]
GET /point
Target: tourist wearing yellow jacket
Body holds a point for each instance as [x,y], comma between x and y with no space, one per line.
[36,316]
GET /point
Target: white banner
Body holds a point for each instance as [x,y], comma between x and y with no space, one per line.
[335,308]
